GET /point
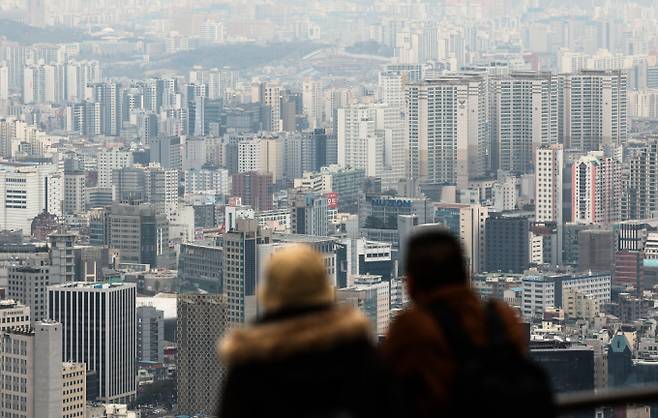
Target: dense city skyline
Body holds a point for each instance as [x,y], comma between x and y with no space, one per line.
[155,154]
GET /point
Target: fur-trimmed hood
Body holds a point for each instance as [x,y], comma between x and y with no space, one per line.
[279,339]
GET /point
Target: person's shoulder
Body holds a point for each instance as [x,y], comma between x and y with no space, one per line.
[505,312]
[512,323]
[279,340]
[411,327]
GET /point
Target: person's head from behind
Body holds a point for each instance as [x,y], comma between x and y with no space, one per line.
[434,259]
[295,278]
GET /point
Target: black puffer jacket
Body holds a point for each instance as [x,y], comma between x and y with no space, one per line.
[314,363]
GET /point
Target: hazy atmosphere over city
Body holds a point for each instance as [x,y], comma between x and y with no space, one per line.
[328,208]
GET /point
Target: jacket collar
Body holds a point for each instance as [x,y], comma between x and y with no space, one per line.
[274,339]
[450,295]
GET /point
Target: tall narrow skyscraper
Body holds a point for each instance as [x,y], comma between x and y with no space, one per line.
[240,271]
[596,194]
[312,102]
[641,194]
[31,384]
[99,329]
[201,322]
[108,95]
[549,201]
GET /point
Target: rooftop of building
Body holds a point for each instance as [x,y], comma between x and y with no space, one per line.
[281,237]
[29,268]
[9,304]
[23,248]
[548,277]
[92,285]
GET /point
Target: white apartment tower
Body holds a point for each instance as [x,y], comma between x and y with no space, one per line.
[371,137]
[262,155]
[446,129]
[271,96]
[524,117]
[595,109]
[313,101]
[549,199]
[108,160]
[75,192]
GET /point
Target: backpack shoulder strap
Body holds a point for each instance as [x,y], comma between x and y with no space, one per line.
[497,331]
[450,325]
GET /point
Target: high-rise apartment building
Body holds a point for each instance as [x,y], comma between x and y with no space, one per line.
[202,320]
[446,129]
[371,138]
[110,351]
[75,187]
[262,155]
[524,117]
[108,95]
[44,83]
[596,194]
[270,96]
[641,193]
[108,160]
[161,187]
[312,102]
[549,199]
[203,180]
[595,110]
[80,74]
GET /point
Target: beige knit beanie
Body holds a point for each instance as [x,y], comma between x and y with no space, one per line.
[295,277]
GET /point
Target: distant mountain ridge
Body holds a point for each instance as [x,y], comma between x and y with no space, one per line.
[26,34]
[242,55]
